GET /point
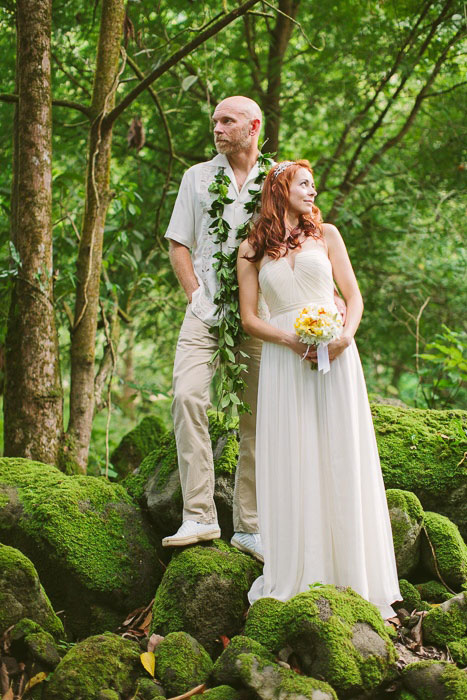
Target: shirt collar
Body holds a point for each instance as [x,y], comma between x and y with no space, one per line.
[221,161]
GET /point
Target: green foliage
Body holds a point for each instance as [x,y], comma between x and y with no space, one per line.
[445,372]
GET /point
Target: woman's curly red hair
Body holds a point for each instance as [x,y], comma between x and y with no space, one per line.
[267,236]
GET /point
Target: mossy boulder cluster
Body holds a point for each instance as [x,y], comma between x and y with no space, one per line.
[94,553]
[92,549]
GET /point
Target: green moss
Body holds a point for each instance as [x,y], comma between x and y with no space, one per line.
[79,518]
[411,599]
[203,592]
[256,672]
[406,695]
[148,689]
[421,451]
[450,684]
[406,501]
[450,549]
[458,651]
[446,623]
[264,623]
[225,671]
[21,594]
[332,617]
[222,692]
[98,663]
[136,444]
[181,663]
[433,591]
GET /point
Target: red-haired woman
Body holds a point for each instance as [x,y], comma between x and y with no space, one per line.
[321,499]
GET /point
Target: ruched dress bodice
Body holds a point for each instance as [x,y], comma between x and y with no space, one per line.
[287,289]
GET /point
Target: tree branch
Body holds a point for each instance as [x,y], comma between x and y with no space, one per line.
[175,58]
[5,97]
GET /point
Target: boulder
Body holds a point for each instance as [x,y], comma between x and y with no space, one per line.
[447,622]
[157,482]
[136,444]
[29,642]
[21,594]
[433,592]
[91,547]
[104,662]
[458,651]
[335,635]
[435,679]
[225,670]
[181,663]
[411,599]
[406,514]
[264,624]
[422,451]
[204,592]
[148,689]
[272,682]
[450,550]
[223,692]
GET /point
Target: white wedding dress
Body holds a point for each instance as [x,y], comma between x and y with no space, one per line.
[321,500]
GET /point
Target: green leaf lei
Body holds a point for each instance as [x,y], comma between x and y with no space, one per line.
[229,327]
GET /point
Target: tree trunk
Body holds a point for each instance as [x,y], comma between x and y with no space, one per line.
[280,37]
[33,394]
[89,262]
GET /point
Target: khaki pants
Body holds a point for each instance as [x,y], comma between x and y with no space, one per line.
[191,381]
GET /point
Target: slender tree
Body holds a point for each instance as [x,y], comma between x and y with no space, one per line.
[33,395]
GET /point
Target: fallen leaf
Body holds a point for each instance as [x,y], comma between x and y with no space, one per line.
[194,691]
[149,662]
[8,695]
[38,678]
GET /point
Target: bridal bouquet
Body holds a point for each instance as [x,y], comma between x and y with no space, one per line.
[318,325]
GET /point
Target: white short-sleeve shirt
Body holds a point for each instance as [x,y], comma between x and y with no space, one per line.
[190,221]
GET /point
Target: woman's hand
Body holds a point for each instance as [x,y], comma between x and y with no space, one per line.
[301,349]
[336,347]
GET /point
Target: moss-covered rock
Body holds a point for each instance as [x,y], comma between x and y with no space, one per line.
[447,622]
[29,642]
[450,550]
[421,451]
[225,670]
[271,681]
[101,662]
[148,689]
[264,624]
[338,636]
[136,444]
[157,482]
[222,692]
[204,592]
[21,594]
[435,680]
[406,514]
[404,694]
[92,549]
[458,651]
[181,663]
[433,592]
[411,599]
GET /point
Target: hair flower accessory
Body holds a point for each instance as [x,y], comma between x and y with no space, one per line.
[281,167]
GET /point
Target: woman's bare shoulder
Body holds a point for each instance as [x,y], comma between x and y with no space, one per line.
[245,248]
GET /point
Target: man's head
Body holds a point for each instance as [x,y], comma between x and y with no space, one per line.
[237,123]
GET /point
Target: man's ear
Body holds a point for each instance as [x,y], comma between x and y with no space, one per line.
[255,126]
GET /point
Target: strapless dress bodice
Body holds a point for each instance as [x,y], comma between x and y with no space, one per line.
[309,281]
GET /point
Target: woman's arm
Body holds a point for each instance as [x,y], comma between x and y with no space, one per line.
[247,274]
[345,278]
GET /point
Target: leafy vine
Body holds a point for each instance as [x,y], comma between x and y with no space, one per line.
[228,328]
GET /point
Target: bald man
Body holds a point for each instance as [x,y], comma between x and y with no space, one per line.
[237,123]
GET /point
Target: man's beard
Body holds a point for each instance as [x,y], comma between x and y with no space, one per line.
[241,143]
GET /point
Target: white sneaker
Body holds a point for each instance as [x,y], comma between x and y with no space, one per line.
[250,543]
[190,532]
